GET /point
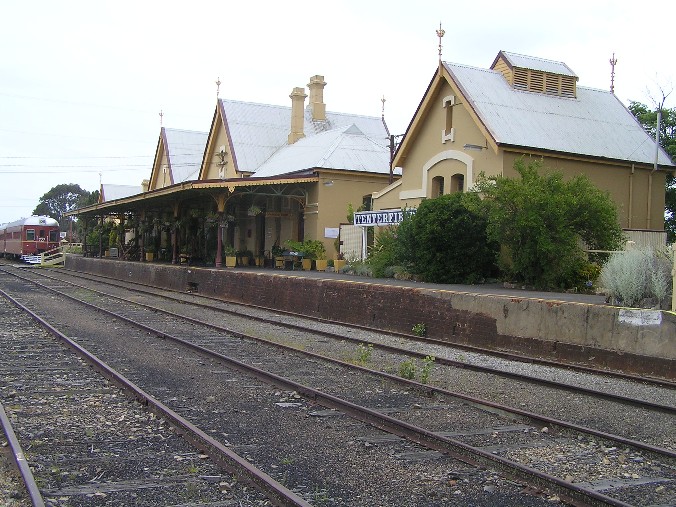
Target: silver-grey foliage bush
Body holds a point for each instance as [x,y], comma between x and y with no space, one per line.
[634,275]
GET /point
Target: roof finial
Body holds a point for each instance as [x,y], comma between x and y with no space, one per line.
[440,34]
[218,86]
[383,109]
[613,62]
[161,115]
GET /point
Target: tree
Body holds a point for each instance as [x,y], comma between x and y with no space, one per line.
[539,221]
[60,200]
[446,242]
[648,119]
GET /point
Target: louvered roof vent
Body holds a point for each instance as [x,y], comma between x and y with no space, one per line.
[536,74]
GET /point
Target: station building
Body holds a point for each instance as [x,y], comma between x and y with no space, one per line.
[472,120]
[263,174]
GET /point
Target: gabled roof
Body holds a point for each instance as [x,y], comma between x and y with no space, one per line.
[346,148]
[185,149]
[111,192]
[595,123]
[257,131]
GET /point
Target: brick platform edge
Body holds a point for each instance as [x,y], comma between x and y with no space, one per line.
[635,341]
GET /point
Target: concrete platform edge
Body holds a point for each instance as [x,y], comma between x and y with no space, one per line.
[636,341]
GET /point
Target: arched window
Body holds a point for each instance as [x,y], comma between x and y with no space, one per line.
[437,186]
[457,183]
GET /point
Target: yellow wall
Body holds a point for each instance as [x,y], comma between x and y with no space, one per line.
[346,188]
[212,160]
[427,156]
[160,177]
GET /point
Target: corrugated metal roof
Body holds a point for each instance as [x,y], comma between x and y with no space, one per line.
[110,192]
[595,123]
[346,148]
[260,130]
[185,149]
[531,62]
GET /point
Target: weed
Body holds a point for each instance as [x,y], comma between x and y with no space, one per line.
[364,352]
[407,370]
[419,329]
[428,364]
[320,496]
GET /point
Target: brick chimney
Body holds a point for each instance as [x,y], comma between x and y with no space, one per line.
[317,106]
[297,114]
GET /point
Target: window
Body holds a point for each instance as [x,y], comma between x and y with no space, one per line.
[437,186]
[458,183]
[30,234]
[42,233]
[53,236]
[448,133]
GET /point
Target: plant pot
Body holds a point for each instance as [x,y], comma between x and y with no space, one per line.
[307,264]
[321,264]
[259,260]
[244,261]
[230,261]
[279,262]
[150,256]
[339,264]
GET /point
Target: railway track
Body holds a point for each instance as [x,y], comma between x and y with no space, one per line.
[307,451]
[423,421]
[500,381]
[88,444]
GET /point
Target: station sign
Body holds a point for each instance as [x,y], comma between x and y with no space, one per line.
[380,218]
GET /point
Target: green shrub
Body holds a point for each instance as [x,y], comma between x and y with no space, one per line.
[541,221]
[382,254]
[446,241]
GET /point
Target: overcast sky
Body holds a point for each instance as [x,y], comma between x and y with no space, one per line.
[82,83]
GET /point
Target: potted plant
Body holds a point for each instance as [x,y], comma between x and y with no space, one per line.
[184,256]
[150,253]
[339,262]
[296,250]
[244,257]
[315,250]
[278,256]
[230,256]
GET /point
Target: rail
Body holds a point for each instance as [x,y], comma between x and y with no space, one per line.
[20,460]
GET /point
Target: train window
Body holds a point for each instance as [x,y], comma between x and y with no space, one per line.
[42,233]
[30,234]
[53,236]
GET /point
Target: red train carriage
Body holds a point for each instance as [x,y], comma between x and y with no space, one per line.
[29,236]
